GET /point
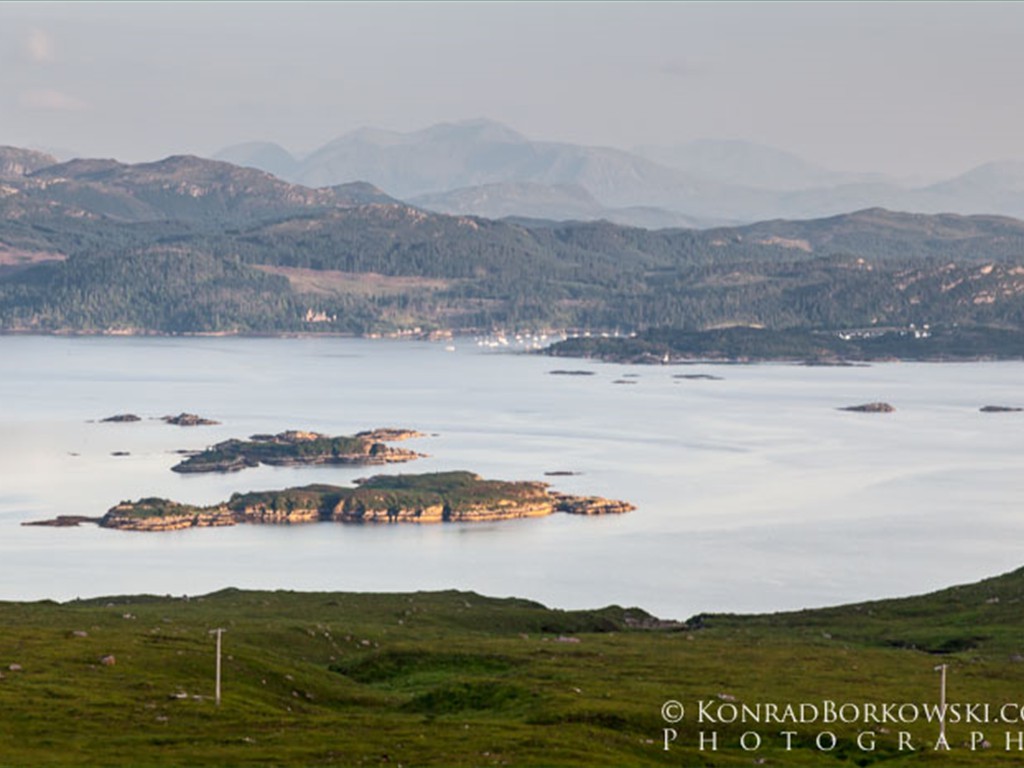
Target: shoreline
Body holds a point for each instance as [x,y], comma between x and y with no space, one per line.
[456,336]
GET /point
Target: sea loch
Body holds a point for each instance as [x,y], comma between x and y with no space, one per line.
[753,492]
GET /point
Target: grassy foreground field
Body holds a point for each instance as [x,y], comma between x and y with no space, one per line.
[457,679]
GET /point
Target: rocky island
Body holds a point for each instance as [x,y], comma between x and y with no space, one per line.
[869,408]
[65,521]
[442,497]
[188,420]
[297,447]
[121,418]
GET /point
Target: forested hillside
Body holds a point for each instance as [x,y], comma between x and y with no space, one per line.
[188,245]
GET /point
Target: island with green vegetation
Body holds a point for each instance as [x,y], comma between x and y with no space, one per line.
[442,497]
[459,679]
[297,447]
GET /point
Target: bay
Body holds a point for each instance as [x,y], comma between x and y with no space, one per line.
[754,492]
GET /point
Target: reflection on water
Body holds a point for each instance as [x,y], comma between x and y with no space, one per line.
[754,492]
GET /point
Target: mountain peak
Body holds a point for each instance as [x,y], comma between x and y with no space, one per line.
[182,187]
[195,167]
[264,155]
[480,130]
[361,193]
[370,135]
[476,129]
[1003,173]
[16,162]
[81,168]
[743,163]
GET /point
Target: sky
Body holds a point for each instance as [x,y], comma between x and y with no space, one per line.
[914,89]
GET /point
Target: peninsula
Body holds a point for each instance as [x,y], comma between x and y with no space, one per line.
[296,448]
[442,497]
[947,342]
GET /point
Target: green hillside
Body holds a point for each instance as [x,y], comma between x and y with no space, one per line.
[454,678]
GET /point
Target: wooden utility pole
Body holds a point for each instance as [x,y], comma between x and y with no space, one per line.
[942,703]
[216,695]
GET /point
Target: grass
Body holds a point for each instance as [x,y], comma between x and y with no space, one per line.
[328,282]
[456,679]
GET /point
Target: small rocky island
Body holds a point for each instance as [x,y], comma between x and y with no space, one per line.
[181,420]
[65,521]
[870,408]
[121,418]
[297,448]
[442,497]
[188,420]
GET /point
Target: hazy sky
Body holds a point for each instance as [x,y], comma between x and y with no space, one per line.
[901,88]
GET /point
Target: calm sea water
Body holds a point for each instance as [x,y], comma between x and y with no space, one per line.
[754,493]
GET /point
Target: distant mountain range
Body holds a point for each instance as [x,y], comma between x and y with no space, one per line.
[480,167]
[559,202]
[745,164]
[483,168]
[187,245]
